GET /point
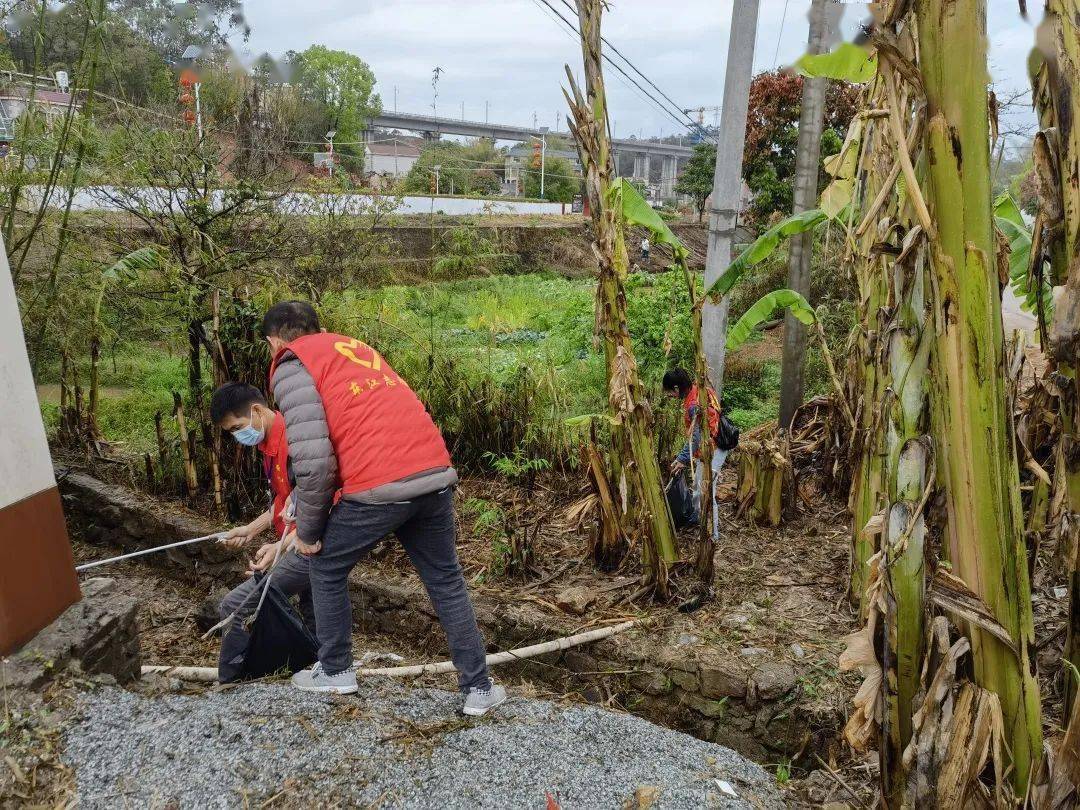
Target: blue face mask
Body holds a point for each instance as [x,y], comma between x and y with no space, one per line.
[249,436]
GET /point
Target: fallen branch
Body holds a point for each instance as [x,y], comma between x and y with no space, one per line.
[210,674]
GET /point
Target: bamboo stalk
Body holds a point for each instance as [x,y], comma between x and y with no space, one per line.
[209,674]
[63,383]
[92,405]
[215,466]
[159,432]
[190,477]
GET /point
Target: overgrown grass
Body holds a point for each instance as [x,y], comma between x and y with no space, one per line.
[136,382]
[502,362]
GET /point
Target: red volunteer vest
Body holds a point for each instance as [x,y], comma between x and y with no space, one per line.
[275,452]
[380,430]
[714,411]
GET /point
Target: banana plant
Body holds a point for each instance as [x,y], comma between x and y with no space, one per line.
[1029,282]
[763,309]
[763,247]
[624,198]
[1054,68]
[645,513]
[974,445]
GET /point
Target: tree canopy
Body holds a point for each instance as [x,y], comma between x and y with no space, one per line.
[772,136]
[696,179]
[134,71]
[340,84]
[561,180]
[464,168]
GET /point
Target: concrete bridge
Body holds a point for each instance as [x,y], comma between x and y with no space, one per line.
[643,151]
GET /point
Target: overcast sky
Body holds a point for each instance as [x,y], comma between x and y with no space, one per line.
[510,53]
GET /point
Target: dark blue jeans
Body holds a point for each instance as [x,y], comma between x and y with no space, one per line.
[426,528]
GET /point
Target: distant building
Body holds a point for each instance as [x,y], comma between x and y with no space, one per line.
[391,155]
[15,98]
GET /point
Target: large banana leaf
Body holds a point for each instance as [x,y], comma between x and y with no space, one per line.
[848,63]
[132,265]
[763,310]
[128,269]
[624,198]
[762,247]
[1034,293]
[842,167]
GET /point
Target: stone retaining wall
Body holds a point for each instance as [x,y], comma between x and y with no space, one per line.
[95,636]
[753,704]
[749,706]
[126,521]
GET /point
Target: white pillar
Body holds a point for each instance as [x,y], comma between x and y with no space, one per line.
[37,575]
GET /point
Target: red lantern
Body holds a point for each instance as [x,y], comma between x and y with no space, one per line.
[189,117]
[186,98]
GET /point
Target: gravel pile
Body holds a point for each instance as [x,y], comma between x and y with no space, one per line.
[390,745]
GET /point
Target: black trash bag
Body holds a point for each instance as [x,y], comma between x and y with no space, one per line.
[682,500]
[727,434]
[278,640]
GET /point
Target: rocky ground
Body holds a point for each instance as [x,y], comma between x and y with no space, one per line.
[265,744]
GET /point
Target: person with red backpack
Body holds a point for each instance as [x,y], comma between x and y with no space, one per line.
[369,461]
[722,433]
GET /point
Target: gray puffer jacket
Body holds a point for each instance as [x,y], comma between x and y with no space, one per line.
[310,450]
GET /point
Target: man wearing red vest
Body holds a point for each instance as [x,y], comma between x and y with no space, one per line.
[369,461]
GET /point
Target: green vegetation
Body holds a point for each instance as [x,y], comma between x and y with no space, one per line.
[341,84]
[137,380]
[502,362]
[772,134]
[696,178]
[561,180]
[464,168]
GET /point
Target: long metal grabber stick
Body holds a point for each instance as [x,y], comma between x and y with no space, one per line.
[96,563]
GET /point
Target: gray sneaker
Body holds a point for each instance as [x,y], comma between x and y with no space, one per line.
[315,680]
[480,701]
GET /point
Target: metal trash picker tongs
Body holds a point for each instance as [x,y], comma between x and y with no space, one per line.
[289,518]
[96,563]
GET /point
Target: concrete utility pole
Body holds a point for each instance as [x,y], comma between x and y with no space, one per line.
[727,182]
[543,157]
[824,24]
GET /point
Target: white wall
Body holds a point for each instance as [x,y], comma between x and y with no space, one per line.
[389,165]
[117,198]
[25,463]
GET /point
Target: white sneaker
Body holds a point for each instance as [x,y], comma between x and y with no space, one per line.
[480,701]
[315,680]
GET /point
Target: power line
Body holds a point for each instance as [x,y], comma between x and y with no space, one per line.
[576,33]
[571,32]
[783,19]
[635,68]
[617,67]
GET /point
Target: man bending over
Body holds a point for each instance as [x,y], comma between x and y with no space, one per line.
[356,427]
